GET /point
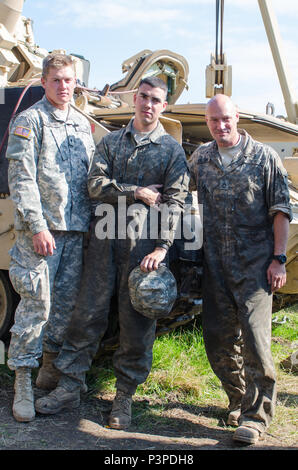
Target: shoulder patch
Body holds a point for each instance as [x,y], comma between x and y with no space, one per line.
[22,132]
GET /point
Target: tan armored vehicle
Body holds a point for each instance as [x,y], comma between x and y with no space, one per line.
[112,107]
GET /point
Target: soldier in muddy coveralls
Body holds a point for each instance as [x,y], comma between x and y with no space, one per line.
[242,186]
[140,165]
[49,150]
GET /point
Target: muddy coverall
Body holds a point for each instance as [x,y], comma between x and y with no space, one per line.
[119,166]
[49,157]
[239,203]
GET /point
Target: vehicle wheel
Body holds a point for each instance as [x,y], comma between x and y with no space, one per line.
[8,302]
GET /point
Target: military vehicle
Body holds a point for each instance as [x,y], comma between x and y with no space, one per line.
[112,107]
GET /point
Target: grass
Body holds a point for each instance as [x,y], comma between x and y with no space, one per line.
[284,343]
[181,374]
[181,377]
[181,368]
[180,365]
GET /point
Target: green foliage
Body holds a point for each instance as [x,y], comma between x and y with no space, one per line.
[285,323]
[181,373]
[284,333]
[101,376]
[181,369]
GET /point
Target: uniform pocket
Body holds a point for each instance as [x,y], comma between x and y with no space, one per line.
[254,248]
[254,235]
[30,281]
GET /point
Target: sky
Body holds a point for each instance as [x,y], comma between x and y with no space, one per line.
[107,32]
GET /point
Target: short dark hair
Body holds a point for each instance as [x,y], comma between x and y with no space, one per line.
[155,82]
[57,61]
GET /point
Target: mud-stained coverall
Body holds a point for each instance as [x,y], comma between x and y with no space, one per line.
[239,204]
[119,166]
[49,157]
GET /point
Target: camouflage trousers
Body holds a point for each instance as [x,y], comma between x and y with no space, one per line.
[236,322]
[106,271]
[48,287]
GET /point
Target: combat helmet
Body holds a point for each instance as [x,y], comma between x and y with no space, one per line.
[152,293]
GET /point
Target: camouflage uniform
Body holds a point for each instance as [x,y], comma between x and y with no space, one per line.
[239,203]
[119,166]
[49,157]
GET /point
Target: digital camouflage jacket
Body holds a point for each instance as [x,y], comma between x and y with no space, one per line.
[49,159]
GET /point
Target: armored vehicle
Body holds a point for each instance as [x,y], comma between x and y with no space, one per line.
[111,108]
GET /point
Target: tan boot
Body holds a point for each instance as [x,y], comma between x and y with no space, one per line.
[233,417]
[23,403]
[58,400]
[48,376]
[246,435]
[120,417]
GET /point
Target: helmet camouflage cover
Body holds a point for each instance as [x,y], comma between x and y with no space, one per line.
[153,294]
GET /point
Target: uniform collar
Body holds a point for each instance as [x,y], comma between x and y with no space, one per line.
[247,144]
[54,111]
[244,155]
[154,136]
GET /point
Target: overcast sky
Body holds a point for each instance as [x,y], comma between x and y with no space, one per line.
[106,32]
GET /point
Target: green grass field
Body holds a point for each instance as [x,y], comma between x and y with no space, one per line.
[180,364]
[181,374]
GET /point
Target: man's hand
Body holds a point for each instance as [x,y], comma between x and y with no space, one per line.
[152,261]
[149,194]
[44,243]
[276,275]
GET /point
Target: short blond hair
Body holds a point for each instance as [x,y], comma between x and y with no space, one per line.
[56,61]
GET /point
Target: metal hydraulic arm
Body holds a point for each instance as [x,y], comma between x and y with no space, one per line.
[274,38]
[218,73]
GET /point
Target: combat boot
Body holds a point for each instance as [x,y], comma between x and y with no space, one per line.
[247,435]
[233,418]
[120,417]
[23,403]
[58,400]
[48,376]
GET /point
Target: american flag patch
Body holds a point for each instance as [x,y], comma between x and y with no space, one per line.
[22,131]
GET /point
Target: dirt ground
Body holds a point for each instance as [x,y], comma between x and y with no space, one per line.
[179,428]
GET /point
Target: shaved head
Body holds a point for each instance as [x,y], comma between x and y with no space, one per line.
[221,102]
[222,118]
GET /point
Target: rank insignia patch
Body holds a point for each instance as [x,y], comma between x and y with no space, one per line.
[22,132]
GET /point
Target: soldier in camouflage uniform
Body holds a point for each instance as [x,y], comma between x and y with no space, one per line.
[138,164]
[242,185]
[49,150]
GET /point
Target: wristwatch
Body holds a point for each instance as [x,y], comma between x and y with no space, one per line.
[282,259]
